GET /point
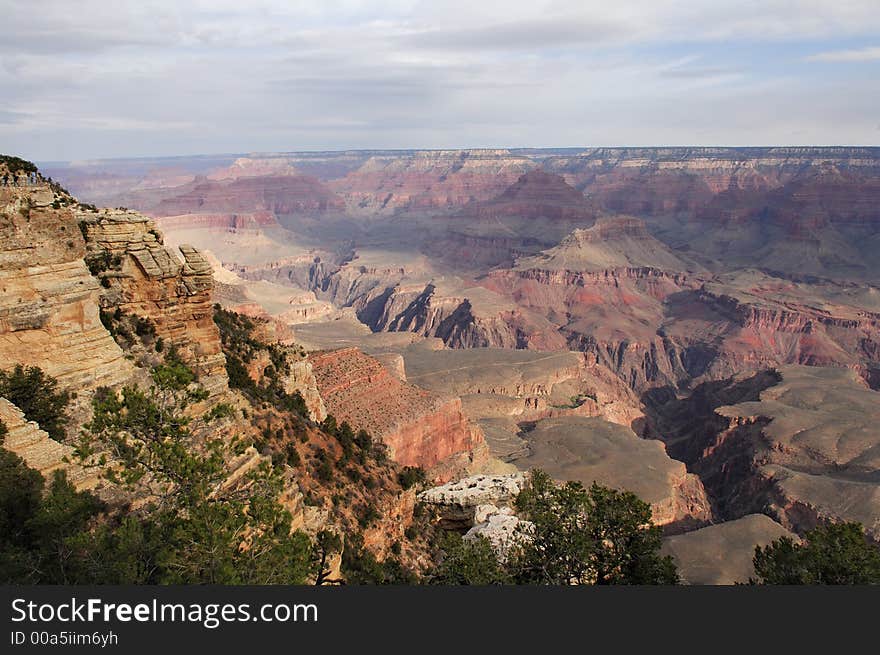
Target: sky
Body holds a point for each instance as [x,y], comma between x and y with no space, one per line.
[85,80]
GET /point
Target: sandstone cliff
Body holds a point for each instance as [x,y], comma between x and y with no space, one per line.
[147,280]
[48,299]
[40,452]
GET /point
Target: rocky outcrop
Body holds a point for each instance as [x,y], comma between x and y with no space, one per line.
[299,378]
[279,194]
[152,282]
[500,526]
[535,212]
[40,452]
[457,502]
[535,195]
[48,299]
[419,427]
[504,387]
[611,244]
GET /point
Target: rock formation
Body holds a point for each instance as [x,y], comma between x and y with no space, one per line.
[652,287]
[151,282]
[40,452]
[500,526]
[281,195]
[429,179]
[48,299]
[419,427]
[457,502]
[535,195]
[798,445]
[535,212]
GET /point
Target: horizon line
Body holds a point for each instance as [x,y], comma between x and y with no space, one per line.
[259,153]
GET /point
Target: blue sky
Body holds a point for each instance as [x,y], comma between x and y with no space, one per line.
[95,79]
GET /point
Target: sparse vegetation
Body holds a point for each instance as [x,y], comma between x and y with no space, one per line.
[37,395]
[468,562]
[196,531]
[104,261]
[411,476]
[17,165]
[220,411]
[574,536]
[360,566]
[836,554]
[241,348]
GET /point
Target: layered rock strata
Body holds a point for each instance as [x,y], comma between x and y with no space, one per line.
[805,452]
[419,427]
[152,282]
[40,452]
[48,299]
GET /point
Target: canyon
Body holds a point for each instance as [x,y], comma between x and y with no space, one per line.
[95,299]
[686,322]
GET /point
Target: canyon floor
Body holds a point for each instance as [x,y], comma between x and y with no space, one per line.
[698,325]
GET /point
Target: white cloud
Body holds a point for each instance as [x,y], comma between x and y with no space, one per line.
[226,75]
[859,54]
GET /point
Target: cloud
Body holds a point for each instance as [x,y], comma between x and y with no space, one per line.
[167,77]
[860,54]
[11,117]
[522,36]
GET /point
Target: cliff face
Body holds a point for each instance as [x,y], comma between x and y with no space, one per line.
[503,388]
[419,427]
[669,180]
[826,194]
[62,263]
[300,378]
[535,195]
[430,180]
[41,452]
[284,194]
[534,212]
[48,299]
[230,222]
[153,283]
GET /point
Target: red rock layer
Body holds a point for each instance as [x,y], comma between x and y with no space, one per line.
[431,179]
[219,221]
[536,194]
[420,428]
[808,203]
[285,194]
